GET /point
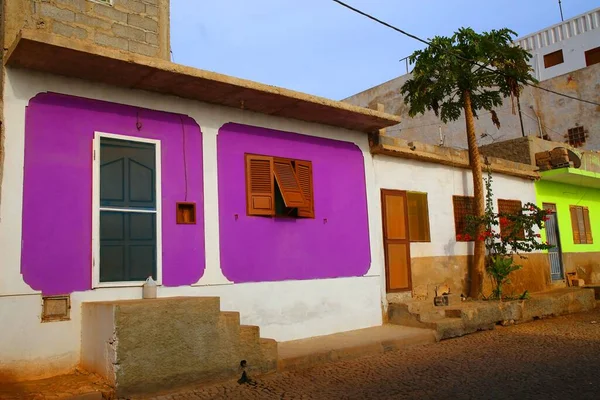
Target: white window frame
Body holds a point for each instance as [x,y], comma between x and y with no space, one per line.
[96,210]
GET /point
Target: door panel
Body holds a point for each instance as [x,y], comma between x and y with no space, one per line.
[397,265]
[127,174]
[396,240]
[395,217]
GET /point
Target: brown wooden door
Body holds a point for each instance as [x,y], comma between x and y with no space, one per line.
[396,240]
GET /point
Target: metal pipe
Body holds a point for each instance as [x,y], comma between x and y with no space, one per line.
[520,116]
[539,122]
[561,13]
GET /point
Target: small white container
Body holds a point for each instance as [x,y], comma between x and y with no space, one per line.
[149,289]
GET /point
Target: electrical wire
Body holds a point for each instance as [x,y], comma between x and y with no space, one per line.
[356,10]
[184,157]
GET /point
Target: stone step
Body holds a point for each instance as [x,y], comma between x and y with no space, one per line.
[450,327]
[307,353]
[249,334]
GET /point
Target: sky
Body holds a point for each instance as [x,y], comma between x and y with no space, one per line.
[321,48]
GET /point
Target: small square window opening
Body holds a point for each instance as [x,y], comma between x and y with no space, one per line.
[554,58]
[576,136]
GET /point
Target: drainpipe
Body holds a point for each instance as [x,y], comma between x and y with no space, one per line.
[539,122]
[520,116]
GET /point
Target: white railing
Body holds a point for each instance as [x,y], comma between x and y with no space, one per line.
[557,33]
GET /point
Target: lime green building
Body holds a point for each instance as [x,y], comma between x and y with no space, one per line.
[574,226]
[572,191]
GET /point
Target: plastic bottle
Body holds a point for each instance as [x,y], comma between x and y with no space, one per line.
[149,289]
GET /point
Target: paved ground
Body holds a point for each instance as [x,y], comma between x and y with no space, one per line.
[555,358]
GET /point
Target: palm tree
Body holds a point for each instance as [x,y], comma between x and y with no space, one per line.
[468,72]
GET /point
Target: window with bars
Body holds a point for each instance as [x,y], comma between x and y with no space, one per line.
[463,206]
[580,224]
[418,217]
[508,209]
[576,136]
[554,58]
[279,187]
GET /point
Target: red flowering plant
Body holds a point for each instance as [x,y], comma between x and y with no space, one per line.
[506,236]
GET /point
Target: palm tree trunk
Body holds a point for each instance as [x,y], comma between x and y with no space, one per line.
[476,269]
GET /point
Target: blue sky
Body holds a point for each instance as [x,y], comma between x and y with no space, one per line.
[319,47]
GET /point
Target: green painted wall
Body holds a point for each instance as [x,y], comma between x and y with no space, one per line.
[563,196]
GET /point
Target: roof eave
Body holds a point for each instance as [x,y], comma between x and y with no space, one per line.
[53,54]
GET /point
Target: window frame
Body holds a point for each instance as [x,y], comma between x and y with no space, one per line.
[426,213]
[96,209]
[549,60]
[589,54]
[575,133]
[276,187]
[456,233]
[587,228]
[507,201]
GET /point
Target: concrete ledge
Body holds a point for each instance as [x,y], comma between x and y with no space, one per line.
[396,147]
[306,353]
[469,317]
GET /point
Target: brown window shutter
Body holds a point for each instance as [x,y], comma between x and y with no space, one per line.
[510,207]
[463,206]
[260,189]
[288,183]
[588,226]
[418,217]
[574,224]
[304,174]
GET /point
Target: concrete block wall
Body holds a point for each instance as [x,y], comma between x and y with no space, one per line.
[137,26]
[517,150]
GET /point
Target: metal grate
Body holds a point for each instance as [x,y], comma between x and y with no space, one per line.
[576,136]
[463,206]
[509,207]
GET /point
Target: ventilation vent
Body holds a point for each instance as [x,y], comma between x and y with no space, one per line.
[56,308]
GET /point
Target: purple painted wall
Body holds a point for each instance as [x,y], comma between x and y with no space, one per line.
[57,199]
[334,244]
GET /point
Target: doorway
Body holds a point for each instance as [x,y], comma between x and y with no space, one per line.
[553,237]
[396,240]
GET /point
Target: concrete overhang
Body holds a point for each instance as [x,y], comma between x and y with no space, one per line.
[572,176]
[73,58]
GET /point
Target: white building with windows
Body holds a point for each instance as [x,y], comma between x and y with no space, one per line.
[565,47]
[566,59]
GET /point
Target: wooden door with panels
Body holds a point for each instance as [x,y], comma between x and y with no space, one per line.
[396,240]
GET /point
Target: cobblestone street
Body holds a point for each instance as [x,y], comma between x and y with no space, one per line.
[554,358]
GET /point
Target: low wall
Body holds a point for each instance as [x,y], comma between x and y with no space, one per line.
[429,272]
[587,265]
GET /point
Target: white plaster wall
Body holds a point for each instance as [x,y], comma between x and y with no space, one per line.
[441,182]
[283,310]
[98,338]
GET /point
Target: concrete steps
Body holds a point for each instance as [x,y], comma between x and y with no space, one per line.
[140,346]
[461,318]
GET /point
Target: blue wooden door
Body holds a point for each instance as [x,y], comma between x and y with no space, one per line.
[127,210]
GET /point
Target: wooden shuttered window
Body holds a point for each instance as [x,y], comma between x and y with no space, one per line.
[509,208]
[260,190]
[274,183]
[418,217]
[580,225]
[304,174]
[288,183]
[463,206]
